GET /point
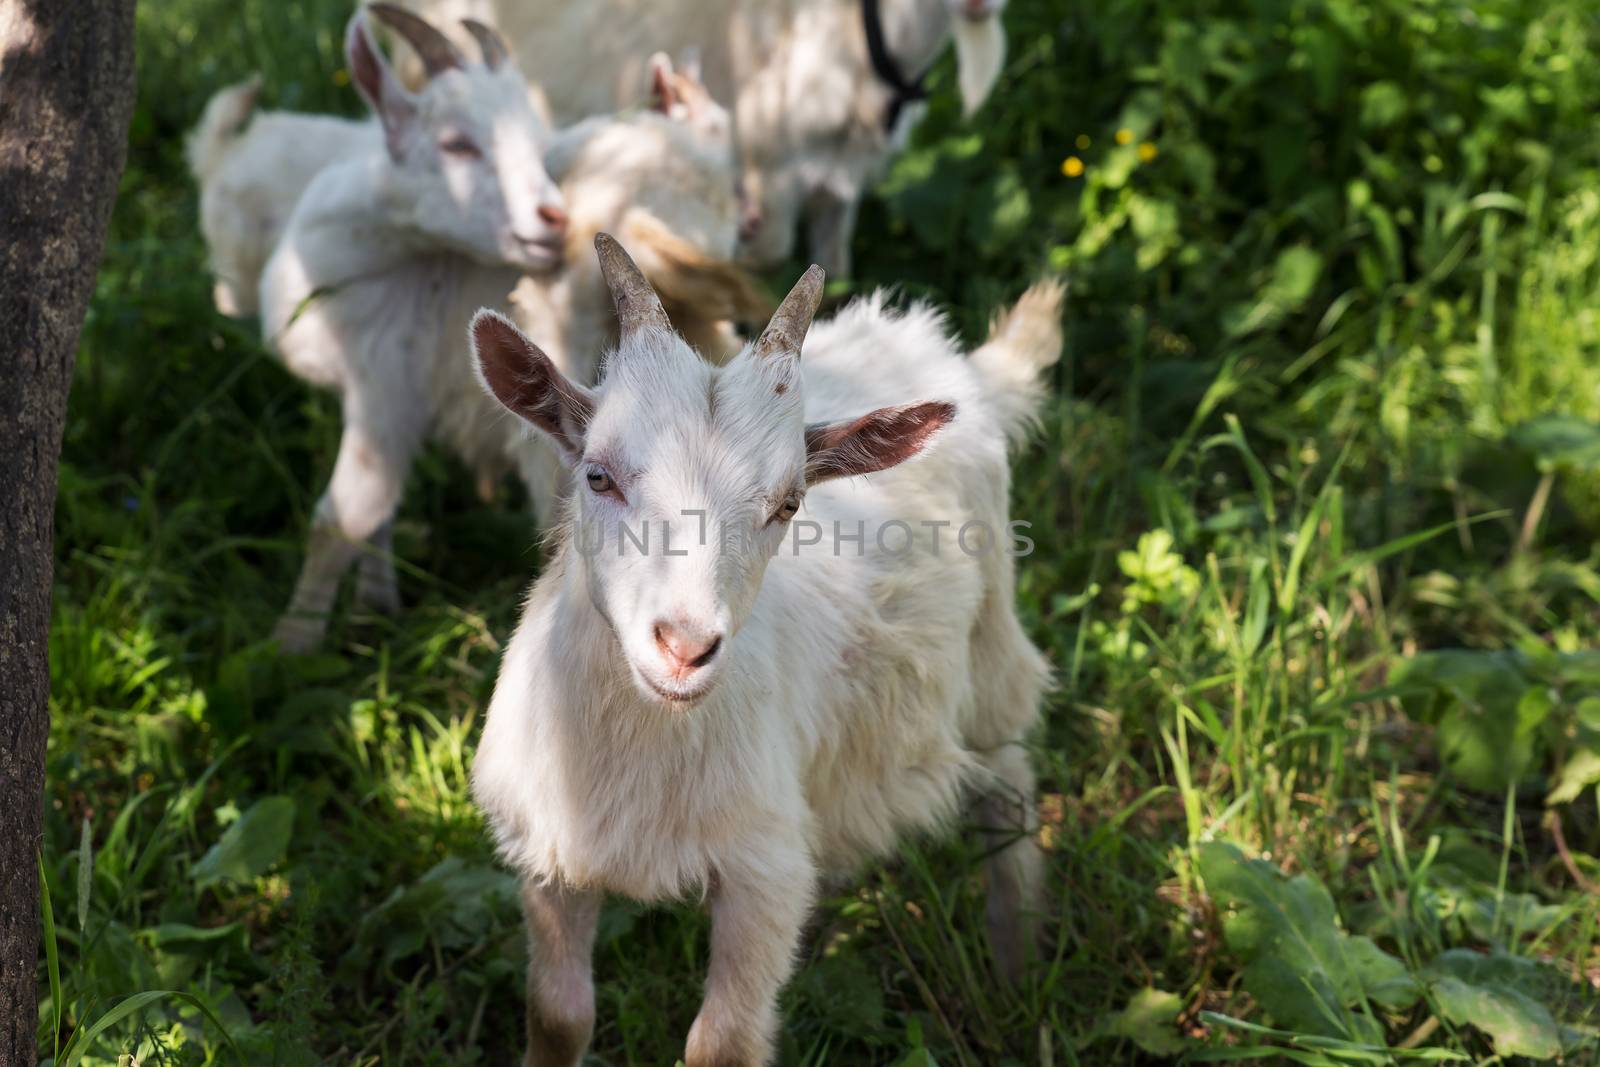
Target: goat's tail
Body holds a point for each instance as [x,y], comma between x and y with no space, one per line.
[225,115]
[1023,342]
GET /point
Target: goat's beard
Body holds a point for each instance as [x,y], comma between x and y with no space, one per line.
[980,55]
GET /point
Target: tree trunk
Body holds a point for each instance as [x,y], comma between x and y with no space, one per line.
[66,94]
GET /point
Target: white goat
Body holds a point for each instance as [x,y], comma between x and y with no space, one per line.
[251,178]
[816,115]
[442,217]
[753,699]
[373,284]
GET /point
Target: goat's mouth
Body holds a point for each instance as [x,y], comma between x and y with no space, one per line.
[682,696]
[541,253]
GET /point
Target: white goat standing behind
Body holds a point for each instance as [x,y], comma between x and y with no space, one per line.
[252,168]
[814,117]
[374,282]
[748,702]
[383,260]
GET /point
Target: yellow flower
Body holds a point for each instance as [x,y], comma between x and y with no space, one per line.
[1124,136]
[341,76]
[1082,142]
[1072,167]
[1147,152]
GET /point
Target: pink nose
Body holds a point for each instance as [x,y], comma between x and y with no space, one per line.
[685,652]
[553,216]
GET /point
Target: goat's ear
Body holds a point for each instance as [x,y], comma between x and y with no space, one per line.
[663,91]
[375,80]
[689,65]
[516,373]
[874,442]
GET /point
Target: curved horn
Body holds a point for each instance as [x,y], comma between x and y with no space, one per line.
[437,52]
[636,300]
[490,43]
[788,326]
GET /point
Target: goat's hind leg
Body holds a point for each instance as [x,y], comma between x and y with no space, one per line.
[1008,819]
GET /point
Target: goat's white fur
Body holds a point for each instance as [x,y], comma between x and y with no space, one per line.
[857,697]
[808,107]
[251,178]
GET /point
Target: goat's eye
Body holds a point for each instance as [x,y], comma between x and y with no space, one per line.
[600,481]
[787,510]
[461,147]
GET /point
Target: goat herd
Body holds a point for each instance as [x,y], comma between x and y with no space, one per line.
[744,667]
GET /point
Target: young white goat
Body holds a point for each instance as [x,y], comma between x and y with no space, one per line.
[443,216]
[760,694]
[817,114]
[366,296]
[253,168]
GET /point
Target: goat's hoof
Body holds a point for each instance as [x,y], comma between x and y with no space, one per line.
[380,599]
[299,635]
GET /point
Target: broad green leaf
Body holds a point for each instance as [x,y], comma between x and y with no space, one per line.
[1475,700]
[1518,1025]
[1150,1021]
[1581,770]
[1304,970]
[251,846]
[1560,441]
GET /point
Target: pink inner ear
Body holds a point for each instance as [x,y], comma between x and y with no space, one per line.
[876,441]
[661,87]
[523,379]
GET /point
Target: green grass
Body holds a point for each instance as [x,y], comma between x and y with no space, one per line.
[1315,515]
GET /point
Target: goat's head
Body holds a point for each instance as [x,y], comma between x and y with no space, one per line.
[687,475]
[678,93]
[468,149]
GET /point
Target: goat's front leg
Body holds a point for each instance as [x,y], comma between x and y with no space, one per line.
[377,585]
[757,913]
[359,504]
[830,223]
[561,926]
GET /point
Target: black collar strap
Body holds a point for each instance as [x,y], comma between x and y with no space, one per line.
[887,70]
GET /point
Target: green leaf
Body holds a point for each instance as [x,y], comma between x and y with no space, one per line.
[1560,441]
[85,874]
[1475,699]
[126,1007]
[1307,973]
[1518,1025]
[1581,770]
[1150,1021]
[251,846]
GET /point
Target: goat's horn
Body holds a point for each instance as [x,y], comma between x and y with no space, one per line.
[436,50]
[787,328]
[635,298]
[490,43]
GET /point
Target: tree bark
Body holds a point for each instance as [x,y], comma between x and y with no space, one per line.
[66,95]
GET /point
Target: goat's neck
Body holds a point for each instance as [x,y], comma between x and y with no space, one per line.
[353,230]
[916,32]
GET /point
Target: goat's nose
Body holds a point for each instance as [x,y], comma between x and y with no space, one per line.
[749,223]
[684,651]
[553,216]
